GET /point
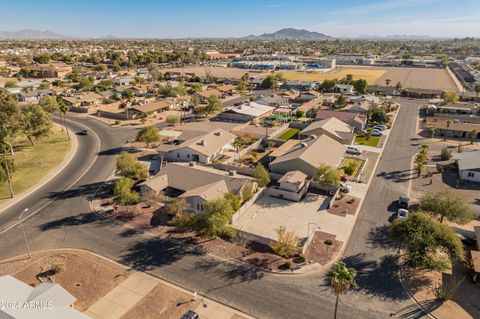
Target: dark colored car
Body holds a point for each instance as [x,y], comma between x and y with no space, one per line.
[83,132]
[403,201]
[190,315]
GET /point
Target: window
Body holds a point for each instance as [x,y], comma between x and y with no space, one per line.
[471,174]
[188,155]
[178,155]
[198,206]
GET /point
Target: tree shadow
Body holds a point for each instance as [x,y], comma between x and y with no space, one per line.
[379,237]
[414,311]
[80,191]
[380,279]
[112,151]
[129,232]
[398,176]
[76,220]
[156,252]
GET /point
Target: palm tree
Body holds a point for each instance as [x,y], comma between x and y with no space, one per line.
[342,279]
[477,90]
[387,82]
[238,143]
[449,122]
[472,135]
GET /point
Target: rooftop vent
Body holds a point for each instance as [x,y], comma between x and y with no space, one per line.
[218,133]
[203,143]
[232,172]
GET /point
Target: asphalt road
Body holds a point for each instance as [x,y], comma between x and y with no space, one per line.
[68,222]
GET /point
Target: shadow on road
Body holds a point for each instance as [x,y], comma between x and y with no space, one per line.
[398,176]
[155,252]
[413,311]
[80,191]
[80,219]
[112,151]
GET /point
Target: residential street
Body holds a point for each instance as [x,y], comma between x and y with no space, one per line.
[68,222]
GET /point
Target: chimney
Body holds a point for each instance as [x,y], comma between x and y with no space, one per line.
[203,143]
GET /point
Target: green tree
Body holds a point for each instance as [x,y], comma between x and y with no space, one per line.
[238,144]
[342,100]
[327,175]
[36,122]
[350,168]
[261,175]
[342,279]
[130,168]
[398,87]
[173,119]
[328,85]
[388,81]
[451,97]
[10,118]
[49,104]
[445,154]
[85,85]
[377,114]
[447,204]
[124,195]
[448,124]
[10,84]
[148,134]
[270,82]
[214,105]
[176,207]
[286,244]
[360,86]
[428,243]
[216,218]
[233,200]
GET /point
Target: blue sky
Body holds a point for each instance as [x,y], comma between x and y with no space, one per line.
[208,18]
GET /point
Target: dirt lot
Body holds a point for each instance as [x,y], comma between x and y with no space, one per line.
[371,75]
[418,78]
[85,276]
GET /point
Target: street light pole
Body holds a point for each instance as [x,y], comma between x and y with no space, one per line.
[23,231]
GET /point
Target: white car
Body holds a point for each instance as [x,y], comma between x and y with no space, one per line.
[402,214]
[377,133]
[354,150]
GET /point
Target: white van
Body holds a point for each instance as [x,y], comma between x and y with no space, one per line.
[353,150]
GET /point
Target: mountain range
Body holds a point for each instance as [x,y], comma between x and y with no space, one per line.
[31,34]
[290,33]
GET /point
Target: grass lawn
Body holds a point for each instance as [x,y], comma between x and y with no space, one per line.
[373,141]
[32,163]
[288,134]
[358,164]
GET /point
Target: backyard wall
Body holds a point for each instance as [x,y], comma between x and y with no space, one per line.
[247,205]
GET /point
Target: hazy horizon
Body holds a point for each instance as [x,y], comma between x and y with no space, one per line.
[215,19]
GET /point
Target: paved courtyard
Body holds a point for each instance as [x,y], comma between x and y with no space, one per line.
[269,213]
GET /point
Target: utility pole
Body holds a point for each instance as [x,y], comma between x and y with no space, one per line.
[23,231]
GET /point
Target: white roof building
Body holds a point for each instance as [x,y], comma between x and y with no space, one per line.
[46,301]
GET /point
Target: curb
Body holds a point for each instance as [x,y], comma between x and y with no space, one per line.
[162,280]
[50,175]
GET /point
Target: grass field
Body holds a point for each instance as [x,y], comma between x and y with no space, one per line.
[288,134]
[32,163]
[371,75]
[373,141]
[358,164]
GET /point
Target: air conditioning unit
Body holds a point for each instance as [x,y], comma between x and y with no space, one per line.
[192,163]
[303,144]
[232,172]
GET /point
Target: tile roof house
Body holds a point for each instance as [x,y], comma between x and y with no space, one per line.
[205,95]
[83,99]
[201,148]
[50,300]
[275,100]
[333,127]
[468,165]
[152,107]
[308,155]
[196,184]
[356,120]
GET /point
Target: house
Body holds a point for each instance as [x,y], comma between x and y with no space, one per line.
[291,186]
[455,128]
[343,88]
[152,108]
[34,96]
[183,102]
[365,98]
[381,90]
[307,156]
[205,95]
[226,89]
[355,120]
[52,70]
[124,80]
[202,148]
[299,85]
[84,101]
[275,100]
[310,106]
[358,108]
[247,112]
[256,83]
[333,127]
[308,96]
[195,183]
[423,93]
[45,301]
[468,164]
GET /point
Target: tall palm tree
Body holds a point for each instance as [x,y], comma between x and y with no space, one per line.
[477,90]
[342,279]
[448,123]
[238,143]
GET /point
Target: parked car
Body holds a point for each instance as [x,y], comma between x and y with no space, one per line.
[354,150]
[402,214]
[190,315]
[345,188]
[83,132]
[344,178]
[377,133]
[380,127]
[403,201]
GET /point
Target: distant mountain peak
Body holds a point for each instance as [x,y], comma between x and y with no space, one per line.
[31,34]
[291,33]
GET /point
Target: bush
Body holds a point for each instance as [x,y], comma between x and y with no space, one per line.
[302,258]
[350,168]
[117,122]
[445,154]
[56,269]
[287,264]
